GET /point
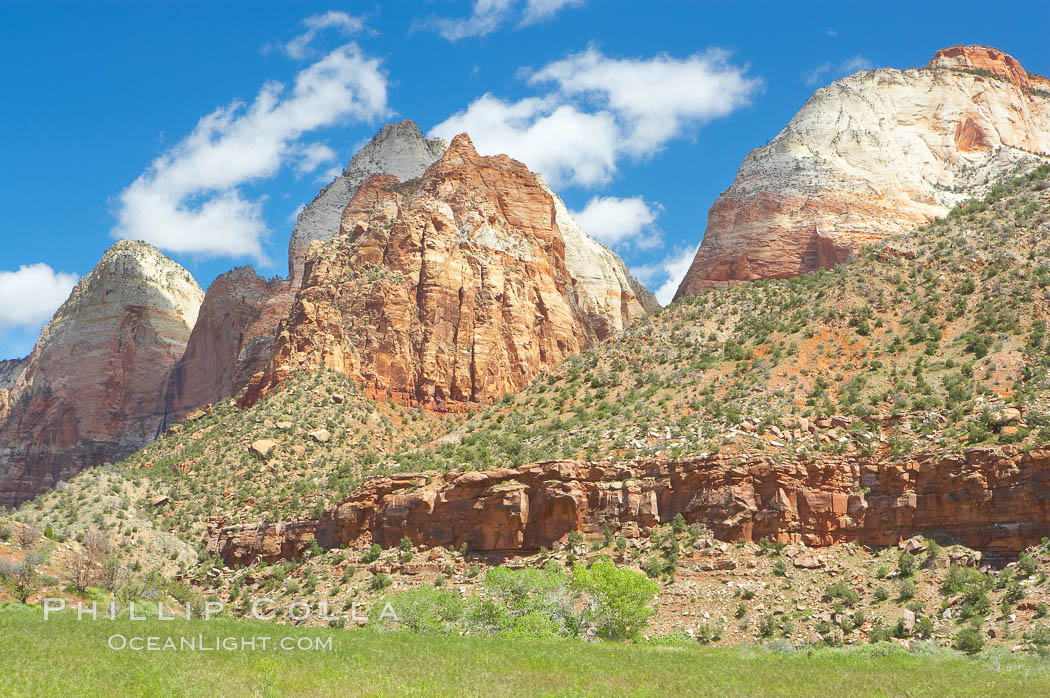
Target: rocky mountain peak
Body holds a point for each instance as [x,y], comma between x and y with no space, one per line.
[135,273]
[451,288]
[873,155]
[399,149]
[982,58]
[92,390]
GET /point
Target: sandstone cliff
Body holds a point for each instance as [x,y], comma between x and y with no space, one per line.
[92,389]
[398,149]
[873,155]
[10,370]
[234,336]
[605,291]
[451,289]
[990,499]
[231,341]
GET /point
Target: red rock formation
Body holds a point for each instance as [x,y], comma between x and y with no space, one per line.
[982,58]
[92,390]
[398,149]
[231,341]
[447,290]
[869,156]
[992,499]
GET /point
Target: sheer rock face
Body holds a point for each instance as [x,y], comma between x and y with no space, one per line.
[869,156]
[231,341]
[234,337]
[92,390]
[10,370]
[451,289]
[605,291]
[991,499]
[398,149]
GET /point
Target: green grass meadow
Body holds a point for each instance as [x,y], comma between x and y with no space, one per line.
[64,656]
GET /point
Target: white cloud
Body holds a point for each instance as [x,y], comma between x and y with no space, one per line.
[346,24]
[832,71]
[657,97]
[291,217]
[330,174]
[30,296]
[603,109]
[486,16]
[614,221]
[312,156]
[542,10]
[559,140]
[189,200]
[667,274]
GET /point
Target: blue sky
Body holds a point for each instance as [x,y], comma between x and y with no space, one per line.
[640,113]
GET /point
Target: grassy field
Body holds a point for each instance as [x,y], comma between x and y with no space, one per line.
[67,657]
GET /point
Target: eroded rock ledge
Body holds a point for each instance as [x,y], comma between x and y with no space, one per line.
[991,499]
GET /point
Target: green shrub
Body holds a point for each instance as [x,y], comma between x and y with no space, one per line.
[535,624]
[1027,565]
[879,633]
[906,564]
[842,591]
[425,610]
[1039,635]
[620,598]
[372,553]
[969,640]
[907,590]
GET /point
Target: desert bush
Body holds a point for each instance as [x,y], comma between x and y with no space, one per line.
[426,610]
[968,640]
[372,553]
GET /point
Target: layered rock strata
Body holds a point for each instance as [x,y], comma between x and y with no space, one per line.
[231,341]
[991,499]
[92,391]
[235,334]
[451,289]
[870,156]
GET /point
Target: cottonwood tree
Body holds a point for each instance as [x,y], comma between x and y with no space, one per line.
[620,599]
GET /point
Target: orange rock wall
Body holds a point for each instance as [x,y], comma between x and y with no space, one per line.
[992,499]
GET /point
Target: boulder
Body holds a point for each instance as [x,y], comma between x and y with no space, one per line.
[808,561]
[262,448]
